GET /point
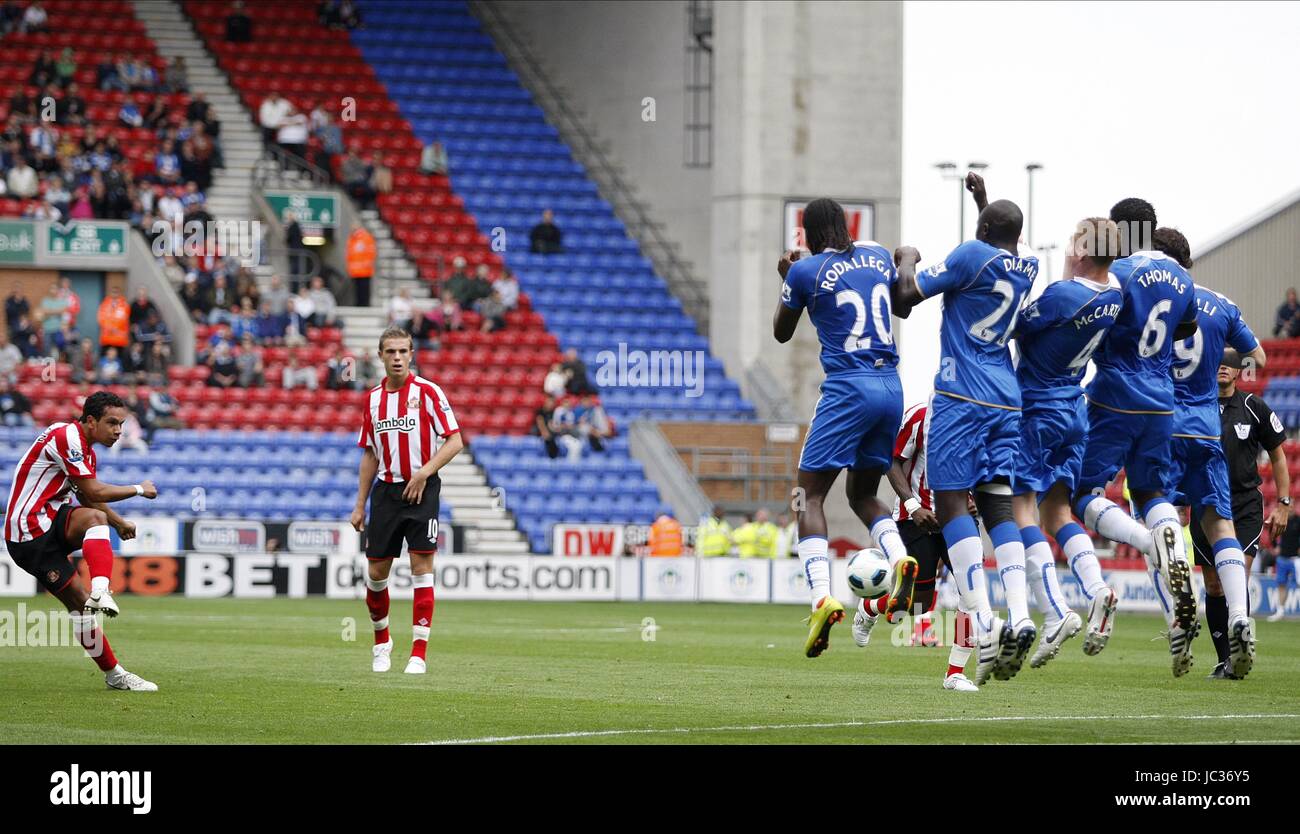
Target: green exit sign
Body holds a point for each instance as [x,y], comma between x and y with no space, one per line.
[320,209]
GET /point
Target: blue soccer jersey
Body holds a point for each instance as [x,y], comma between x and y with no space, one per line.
[983,289]
[1196,363]
[1058,333]
[1133,362]
[847,298]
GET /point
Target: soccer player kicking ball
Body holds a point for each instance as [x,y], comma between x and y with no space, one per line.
[1130,423]
[974,422]
[846,287]
[408,433]
[1198,471]
[42,526]
[1056,336]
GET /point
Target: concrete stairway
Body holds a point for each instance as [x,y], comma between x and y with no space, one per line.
[241,141]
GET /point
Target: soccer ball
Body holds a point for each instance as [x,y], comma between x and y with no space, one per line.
[869,574]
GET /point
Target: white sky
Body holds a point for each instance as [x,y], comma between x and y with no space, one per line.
[1203,120]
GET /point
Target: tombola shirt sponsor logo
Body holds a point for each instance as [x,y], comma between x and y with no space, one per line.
[405,423]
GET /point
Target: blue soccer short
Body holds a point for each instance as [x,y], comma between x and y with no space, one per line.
[855,422]
[1286,571]
[1137,443]
[1198,475]
[1052,438]
[968,444]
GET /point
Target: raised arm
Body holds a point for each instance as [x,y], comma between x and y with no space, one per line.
[905,294]
[975,185]
[786,318]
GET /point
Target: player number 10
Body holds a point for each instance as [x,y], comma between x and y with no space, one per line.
[879,300]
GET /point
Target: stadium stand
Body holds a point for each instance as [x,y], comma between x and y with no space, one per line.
[508,165]
[96,31]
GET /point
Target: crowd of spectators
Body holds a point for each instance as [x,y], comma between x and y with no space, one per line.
[491,298]
[236,360]
[134,342]
[66,167]
[571,415]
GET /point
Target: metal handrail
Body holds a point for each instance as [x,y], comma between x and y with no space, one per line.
[679,276]
[273,163]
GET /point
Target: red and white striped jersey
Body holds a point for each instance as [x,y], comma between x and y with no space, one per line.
[404,428]
[910,446]
[43,480]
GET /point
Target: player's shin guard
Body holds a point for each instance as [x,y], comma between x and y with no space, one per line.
[377,602]
[966,554]
[1230,563]
[1108,519]
[98,553]
[92,639]
[1041,574]
[1009,551]
[1216,617]
[812,552]
[421,613]
[1077,546]
[885,533]
[963,641]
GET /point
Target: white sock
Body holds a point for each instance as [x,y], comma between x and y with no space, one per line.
[1077,546]
[1108,519]
[98,585]
[966,553]
[812,552]
[1161,513]
[1009,551]
[1166,604]
[1043,582]
[885,533]
[1230,563]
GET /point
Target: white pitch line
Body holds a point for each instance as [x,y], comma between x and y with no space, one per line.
[842,724]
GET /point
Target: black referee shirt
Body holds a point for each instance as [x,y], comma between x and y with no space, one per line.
[1249,426]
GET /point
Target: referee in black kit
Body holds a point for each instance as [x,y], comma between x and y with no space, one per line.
[1249,426]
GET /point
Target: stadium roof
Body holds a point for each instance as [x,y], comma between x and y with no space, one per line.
[1249,223]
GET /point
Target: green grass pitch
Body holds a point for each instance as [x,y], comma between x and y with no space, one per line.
[279,671]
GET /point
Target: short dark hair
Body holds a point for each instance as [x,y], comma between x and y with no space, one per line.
[99,402]
[1004,220]
[825,226]
[1174,244]
[1136,219]
[394,332]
